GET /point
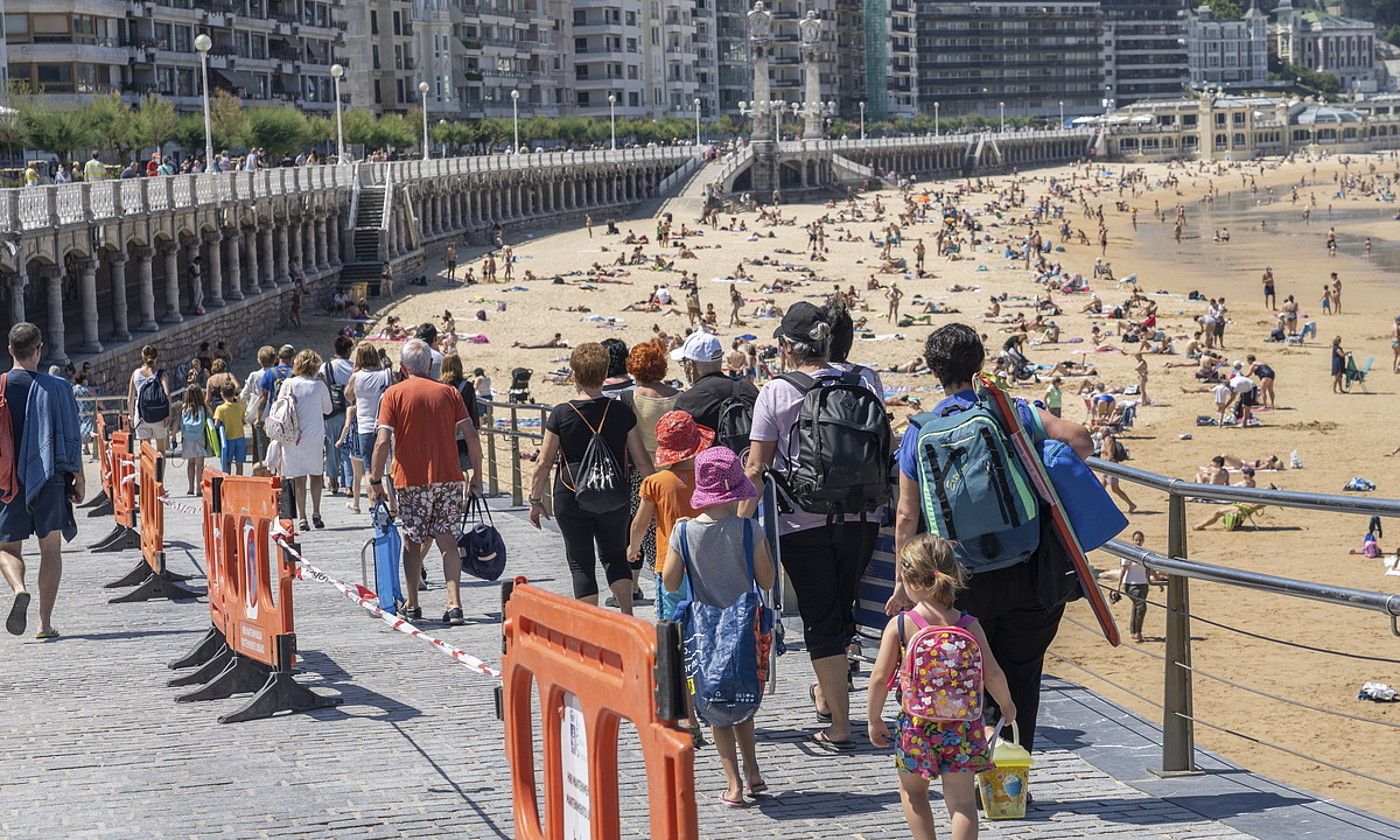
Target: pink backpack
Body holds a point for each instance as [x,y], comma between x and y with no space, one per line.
[940,671]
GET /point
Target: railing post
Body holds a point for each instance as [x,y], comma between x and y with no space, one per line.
[517,497]
[492,478]
[1178,730]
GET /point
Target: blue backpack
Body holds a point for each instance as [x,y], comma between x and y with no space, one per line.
[726,648]
[974,491]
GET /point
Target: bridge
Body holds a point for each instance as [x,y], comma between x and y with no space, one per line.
[104,268]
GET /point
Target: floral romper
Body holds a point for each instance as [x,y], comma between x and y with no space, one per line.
[931,748]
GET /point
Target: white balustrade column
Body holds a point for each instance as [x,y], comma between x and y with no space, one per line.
[145,277]
[170,253]
[56,340]
[117,261]
[87,289]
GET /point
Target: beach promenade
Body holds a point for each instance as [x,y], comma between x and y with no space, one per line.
[96,747]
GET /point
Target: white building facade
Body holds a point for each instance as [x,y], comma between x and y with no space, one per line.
[1227,53]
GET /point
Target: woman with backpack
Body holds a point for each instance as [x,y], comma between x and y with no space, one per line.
[148,394]
[825,548]
[591,437]
[363,392]
[297,420]
[455,375]
[650,399]
[939,732]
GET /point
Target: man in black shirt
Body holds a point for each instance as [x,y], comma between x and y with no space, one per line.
[710,387]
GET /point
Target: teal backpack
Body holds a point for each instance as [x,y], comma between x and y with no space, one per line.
[973,490]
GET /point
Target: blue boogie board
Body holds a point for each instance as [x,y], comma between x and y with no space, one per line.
[388,553]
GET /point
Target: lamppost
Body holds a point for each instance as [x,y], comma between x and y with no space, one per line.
[337,71]
[515,119]
[423,100]
[935,119]
[1062,113]
[1001,111]
[202,43]
[612,119]
[697,122]
[442,124]
[862,120]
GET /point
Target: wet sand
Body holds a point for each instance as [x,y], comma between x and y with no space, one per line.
[1337,437]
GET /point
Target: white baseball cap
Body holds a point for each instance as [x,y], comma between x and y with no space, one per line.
[699,347]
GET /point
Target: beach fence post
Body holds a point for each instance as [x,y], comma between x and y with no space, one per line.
[517,498]
[1178,725]
[493,482]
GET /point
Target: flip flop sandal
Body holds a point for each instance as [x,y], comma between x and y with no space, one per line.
[47,634]
[732,803]
[821,739]
[822,717]
[19,609]
[752,791]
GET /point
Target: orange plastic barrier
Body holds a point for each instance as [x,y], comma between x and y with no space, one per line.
[593,669]
[258,630]
[154,580]
[123,536]
[101,502]
[211,655]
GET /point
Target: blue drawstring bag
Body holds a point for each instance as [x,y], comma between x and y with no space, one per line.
[388,549]
[726,648]
[1091,513]
[481,546]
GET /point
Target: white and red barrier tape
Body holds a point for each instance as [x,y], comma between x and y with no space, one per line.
[180,506]
[369,601]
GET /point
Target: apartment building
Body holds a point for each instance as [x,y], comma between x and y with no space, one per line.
[1227,53]
[1024,58]
[1340,46]
[1145,45]
[263,50]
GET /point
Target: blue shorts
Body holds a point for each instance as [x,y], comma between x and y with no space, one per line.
[235,452]
[364,447]
[51,511]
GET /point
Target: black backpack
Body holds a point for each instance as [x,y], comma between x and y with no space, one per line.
[842,438]
[338,404]
[596,480]
[735,423]
[152,403]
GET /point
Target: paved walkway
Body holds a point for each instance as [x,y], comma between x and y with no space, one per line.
[93,745]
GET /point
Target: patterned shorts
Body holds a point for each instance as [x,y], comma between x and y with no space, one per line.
[429,510]
[933,748]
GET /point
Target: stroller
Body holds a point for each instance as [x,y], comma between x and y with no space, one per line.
[520,385]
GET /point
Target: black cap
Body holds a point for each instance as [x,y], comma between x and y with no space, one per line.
[800,321]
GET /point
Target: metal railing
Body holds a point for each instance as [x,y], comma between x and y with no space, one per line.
[1178,715]
[508,434]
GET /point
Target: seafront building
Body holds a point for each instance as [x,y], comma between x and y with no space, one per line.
[1227,53]
[1327,43]
[1145,49]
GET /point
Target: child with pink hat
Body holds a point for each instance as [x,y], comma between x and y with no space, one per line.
[708,555]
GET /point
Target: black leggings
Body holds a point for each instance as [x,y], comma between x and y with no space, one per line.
[825,566]
[583,530]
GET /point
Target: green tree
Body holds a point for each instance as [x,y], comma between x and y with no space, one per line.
[280,131]
[157,121]
[361,129]
[320,129]
[227,120]
[722,128]
[189,133]
[15,100]
[61,131]
[1226,9]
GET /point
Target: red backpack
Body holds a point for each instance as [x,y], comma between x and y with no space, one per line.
[9,449]
[940,671]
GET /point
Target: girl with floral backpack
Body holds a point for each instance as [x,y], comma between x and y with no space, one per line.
[939,660]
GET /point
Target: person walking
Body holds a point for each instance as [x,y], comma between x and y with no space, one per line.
[363,392]
[228,421]
[424,416]
[252,398]
[1003,595]
[650,398]
[219,379]
[303,461]
[194,437]
[41,478]
[1133,581]
[1339,366]
[148,395]
[590,535]
[336,373]
[454,375]
[702,359]
[825,556]
[269,386]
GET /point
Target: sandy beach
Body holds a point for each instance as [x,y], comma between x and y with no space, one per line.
[1336,436]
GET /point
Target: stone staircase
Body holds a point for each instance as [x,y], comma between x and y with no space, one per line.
[369,221]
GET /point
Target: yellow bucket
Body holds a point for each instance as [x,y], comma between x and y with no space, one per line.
[1004,788]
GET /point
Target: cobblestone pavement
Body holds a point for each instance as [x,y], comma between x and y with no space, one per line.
[93,746]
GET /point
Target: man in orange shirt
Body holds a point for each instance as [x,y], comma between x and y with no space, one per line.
[423,416]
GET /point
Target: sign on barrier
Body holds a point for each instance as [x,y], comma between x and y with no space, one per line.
[593,669]
[152,577]
[252,598]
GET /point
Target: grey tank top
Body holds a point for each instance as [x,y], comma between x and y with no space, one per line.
[717,570]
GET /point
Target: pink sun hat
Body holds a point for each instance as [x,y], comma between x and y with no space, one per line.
[719,479]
